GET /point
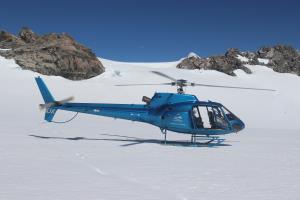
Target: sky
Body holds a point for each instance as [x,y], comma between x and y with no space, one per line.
[165,30]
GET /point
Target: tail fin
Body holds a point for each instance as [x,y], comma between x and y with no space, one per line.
[48,99]
[49,114]
[47,96]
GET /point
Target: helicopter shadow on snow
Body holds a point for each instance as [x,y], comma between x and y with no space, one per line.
[131,141]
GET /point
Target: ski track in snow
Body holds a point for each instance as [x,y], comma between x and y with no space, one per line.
[89,165]
[131,180]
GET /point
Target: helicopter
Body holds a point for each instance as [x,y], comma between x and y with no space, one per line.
[176,112]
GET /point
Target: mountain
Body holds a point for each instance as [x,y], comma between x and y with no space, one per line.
[51,54]
[102,158]
[281,58]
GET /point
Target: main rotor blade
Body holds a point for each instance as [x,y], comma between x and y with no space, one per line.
[144,84]
[233,87]
[164,75]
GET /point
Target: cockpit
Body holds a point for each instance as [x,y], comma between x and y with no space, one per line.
[212,116]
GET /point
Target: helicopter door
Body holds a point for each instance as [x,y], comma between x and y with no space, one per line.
[197,119]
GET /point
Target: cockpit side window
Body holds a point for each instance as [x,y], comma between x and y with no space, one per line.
[217,112]
[211,116]
[220,120]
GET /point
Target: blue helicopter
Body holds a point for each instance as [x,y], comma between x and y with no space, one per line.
[177,112]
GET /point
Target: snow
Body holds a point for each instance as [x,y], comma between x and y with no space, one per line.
[263,61]
[102,158]
[242,58]
[192,54]
[5,49]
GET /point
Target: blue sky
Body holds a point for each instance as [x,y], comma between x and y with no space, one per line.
[141,30]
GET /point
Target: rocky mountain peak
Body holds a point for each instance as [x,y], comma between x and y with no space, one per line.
[193,55]
[51,54]
[5,36]
[232,52]
[9,41]
[27,35]
[224,63]
[281,58]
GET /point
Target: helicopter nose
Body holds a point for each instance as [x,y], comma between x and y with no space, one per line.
[238,125]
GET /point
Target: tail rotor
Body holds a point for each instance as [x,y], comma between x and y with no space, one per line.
[50,105]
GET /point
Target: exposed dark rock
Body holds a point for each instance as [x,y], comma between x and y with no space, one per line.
[9,41]
[250,55]
[282,58]
[233,53]
[226,64]
[27,35]
[254,61]
[51,54]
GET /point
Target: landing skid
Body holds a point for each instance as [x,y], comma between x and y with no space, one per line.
[200,139]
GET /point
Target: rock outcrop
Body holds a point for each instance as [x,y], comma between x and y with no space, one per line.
[51,54]
[9,41]
[27,35]
[226,64]
[281,58]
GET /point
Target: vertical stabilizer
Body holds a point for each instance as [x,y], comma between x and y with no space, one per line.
[48,99]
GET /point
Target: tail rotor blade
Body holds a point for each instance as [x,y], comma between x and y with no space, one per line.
[55,103]
[46,105]
[42,107]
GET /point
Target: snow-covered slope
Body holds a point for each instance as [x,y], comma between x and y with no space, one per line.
[102,158]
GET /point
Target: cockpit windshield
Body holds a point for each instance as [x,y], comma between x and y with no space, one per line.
[230,116]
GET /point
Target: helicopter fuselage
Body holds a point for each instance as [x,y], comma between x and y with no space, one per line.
[182,113]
